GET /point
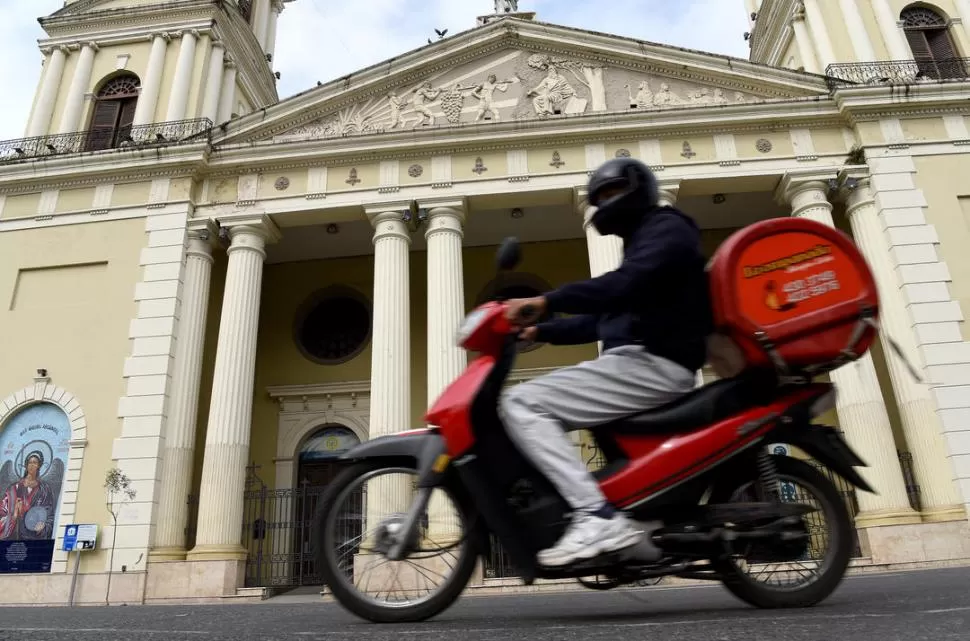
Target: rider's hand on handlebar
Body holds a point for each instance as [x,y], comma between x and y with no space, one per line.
[523,312]
[529,334]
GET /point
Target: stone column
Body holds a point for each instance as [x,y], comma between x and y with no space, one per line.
[446,309]
[390,410]
[261,11]
[274,16]
[858,34]
[963,9]
[213,86]
[816,23]
[230,410]
[152,82]
[860,405]
[228,93]
[921,424]
[804,40]
[891,33]
[73,106]
[53,75]
[605,252]
[177,461]
[178,102]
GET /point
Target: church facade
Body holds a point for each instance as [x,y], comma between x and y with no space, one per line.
[209,293]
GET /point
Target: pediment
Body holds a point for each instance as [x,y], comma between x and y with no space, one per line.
[519,75]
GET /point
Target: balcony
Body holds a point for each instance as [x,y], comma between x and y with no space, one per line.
[160,134]
[896,72]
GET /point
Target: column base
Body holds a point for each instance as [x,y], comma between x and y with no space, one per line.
[217,553]
[879,518]
[179,580]
[167,554]
[920,543]
[945,514]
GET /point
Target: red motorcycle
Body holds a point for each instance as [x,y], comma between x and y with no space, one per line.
[792,299]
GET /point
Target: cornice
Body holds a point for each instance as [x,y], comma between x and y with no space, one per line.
[202,25]
[126,18]
[608,50]
[185,161]
[862,104]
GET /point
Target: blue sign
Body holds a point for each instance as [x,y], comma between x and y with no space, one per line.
[80,537]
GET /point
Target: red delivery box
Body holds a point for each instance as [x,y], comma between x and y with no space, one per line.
[790,294]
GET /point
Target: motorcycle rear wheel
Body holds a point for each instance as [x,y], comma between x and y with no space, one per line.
[346,592]
[835,563]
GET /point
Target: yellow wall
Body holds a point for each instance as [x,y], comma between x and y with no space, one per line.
[66,299]
[949,213]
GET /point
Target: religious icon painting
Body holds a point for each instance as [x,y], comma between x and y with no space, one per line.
[34,445]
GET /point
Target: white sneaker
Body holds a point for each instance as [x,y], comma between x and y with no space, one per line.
[587,537]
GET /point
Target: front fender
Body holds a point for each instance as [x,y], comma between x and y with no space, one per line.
[426,449]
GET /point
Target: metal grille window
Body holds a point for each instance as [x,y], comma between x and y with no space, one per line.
[932,45]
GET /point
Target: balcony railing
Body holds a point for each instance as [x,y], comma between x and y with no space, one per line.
[159,134]
[896,72]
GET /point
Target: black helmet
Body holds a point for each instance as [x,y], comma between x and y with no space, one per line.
[620,213]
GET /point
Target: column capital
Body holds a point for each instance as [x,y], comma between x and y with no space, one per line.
[388,221]
[797,182]
[203,237]
[458,205]
[91,45]
[669,190]
[857,193]
[216,42]
[798,11]
[156,35]
[243,227]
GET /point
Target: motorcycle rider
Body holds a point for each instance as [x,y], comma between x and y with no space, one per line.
[652,314]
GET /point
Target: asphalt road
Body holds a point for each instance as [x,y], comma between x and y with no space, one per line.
[893,607]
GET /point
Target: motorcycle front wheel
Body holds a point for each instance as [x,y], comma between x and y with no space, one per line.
[352,532]
[819,564]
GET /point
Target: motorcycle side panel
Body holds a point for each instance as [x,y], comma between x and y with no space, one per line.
[659,462]
[451,413]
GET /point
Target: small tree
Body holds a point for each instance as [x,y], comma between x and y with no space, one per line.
[117,488]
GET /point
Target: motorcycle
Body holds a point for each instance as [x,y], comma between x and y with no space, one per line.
[696,476]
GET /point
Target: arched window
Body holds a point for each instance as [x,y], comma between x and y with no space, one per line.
[114,112]
[929,38]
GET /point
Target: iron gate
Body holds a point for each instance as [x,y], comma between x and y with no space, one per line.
[278,531]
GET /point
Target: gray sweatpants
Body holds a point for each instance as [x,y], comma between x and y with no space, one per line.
[622,381]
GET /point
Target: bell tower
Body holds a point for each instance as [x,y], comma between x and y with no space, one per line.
[869,40]
[116,71]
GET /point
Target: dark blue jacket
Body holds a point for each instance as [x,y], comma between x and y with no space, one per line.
[658,297]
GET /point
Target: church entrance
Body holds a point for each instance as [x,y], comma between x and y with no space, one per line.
[278,526]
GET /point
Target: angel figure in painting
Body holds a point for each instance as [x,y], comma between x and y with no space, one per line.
[485,93]
[29,502]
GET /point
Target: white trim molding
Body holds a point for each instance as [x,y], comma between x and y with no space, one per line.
[44,391]
[305,408]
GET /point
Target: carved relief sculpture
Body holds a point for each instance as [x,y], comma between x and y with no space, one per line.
[485,93]
[592,78]
[644,97]
[422,96]
[396,103]
[506,6]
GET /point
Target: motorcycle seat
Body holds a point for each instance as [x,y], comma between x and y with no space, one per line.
[698,409]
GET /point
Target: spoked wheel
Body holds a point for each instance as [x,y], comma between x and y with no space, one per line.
[353,527]
[815,555]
